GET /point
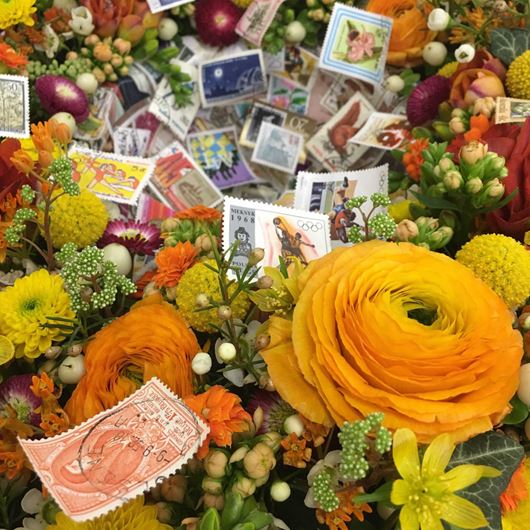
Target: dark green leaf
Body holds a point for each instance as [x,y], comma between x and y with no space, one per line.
[504,202]
[518,414]
[435,202]
[507,44]
[489,449]
[380,494]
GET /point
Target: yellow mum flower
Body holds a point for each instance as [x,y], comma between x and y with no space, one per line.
[131,516]
[518,77]
[426,492]
[502,263]
[27,306]
[81,219]
[447,70]
[16,12]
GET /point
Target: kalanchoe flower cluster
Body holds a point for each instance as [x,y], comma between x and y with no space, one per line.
[92,282]
[425,232]
[61,172]
[377,224]
[324,492]
[14,232]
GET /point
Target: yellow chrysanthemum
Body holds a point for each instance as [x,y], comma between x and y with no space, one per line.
[242,3]
[447,70]
[502,263]
[518,77]
[131,516]
[202,280]
[16,12]
[81,219]
[400,210]
[30,304]
[518,519]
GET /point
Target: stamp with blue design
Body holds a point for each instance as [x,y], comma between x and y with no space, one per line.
[356,44]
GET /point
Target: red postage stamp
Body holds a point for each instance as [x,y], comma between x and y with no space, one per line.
[119,453]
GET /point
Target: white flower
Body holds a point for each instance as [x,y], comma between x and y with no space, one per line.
[438,19]
[202,363]
[434,53]
[33,503]
[81,22]
[51,42]
[465,53]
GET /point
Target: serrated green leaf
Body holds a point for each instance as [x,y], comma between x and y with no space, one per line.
[489,449]
[507,44]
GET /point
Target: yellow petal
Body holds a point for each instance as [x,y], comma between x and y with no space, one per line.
[7,349]
[400,492]
[408,519]
[428,521]
[463,513]
[437,455]
[405,453]
[463,476]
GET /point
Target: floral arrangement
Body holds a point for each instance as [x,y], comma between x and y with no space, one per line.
[383,385]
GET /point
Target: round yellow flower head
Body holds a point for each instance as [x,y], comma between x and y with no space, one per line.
[27,306]
[131,516]
[16,12]
[447,70]
[502,263]
[518,77]
[81,219]
[242,3]
[202,280]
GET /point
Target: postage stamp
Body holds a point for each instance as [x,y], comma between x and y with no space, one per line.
[287,94]
[509,110]
[274,62]
[217,153]
[300,66]
[119,453]
[230,79]
[330,144]
[260,113]
[163,5]
[179,182]
[150,209]
[384,131]
[256,20]
[129,141]
[278,147]
[329,192]
[280,231]
[164,107]
[14,106]
[111,176]
[356,43]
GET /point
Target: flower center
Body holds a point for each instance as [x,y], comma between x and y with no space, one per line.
[30,305]
[423,315]
[22,408]
[66,92]
[221,20]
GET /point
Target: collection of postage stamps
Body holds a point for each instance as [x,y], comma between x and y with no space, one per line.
[253,117]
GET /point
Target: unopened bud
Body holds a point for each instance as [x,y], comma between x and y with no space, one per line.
[524,321]
[429,223]
[227,352]
[163,512]
[473,152]
[406,230]
[280,491]
[262,341]
[446,164]
[52,352]
[239,454]
[256,256]
[495,188]
[266,383]
[75,350]
[474,185]
[214,486]
[294,424]
[265,282]
[257,418]
[202,300]
[224,312]
[214,501]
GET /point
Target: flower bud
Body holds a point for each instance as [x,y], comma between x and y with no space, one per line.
[499,6]
[394,83]
[453,180]
[495,188]
[52,352]
[102,52]
[244,486]
[71,370]
[75,350]
[406,230]
[213,486]
[259,461]
[203,243]
[202,300]
[428,223]
[280,491]
[295,32]
[258,417]
[483,86]
[224,312]
[201,363]
[87,82]
[438,19]
[227,352]
[440,237]
[123,46]
[173,489]
[465,53]
[294,424]
[163,512]
[214,501]
[262,341]
[523,392]
[272,439]
[265,282]
[239,454]
[458,113]
[256,255]
[447,218]
[167,28]
[266,383]
[473,152]
[120,256]
[497,162]
[457,126]
[169,224]
[524,321]
[215,463]
[446,164]
[474,185]
[484,106]
[434,53]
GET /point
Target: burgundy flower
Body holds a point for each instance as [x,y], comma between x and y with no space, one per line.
[423,102]
[275,410]
[15,392]
[216,21]
[139,238]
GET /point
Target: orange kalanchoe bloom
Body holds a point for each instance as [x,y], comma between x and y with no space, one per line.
[296,454]
[10,58]
[199,212]
[42,386]
[413,158]
[22,161]
[173,262]
[516,491]
[222,411]
[337,519]
[151,340]
[12,460]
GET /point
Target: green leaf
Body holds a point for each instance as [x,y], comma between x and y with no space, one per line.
[489,449]
[507,44]
[504,202]
[518,414]
[380,494]
[435,202]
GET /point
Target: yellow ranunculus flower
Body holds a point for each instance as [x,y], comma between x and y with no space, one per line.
[398,329]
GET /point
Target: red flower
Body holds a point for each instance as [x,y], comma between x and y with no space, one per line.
[10,178]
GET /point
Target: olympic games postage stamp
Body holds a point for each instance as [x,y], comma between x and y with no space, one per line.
[329,192]
[278,148]
[14,106]
[384,131]
[356,44]
[256,20]
[119,453]
[282,232]
[111,176]
[233,78]
[510,110]
[163,5]
[179,182]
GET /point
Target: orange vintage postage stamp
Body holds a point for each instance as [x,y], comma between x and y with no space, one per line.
[119,453]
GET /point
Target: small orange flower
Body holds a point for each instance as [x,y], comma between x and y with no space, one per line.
[45,159]
[55,423]
[22,161]
[173,262]
[199,212]
[58,18]
[516,491]
[296,453]
[222,412]
[337,519]
[413,158]
[42,386]
[11,58]
[315,432]
[41,135]
[60,132]
[12,461]
[142,283]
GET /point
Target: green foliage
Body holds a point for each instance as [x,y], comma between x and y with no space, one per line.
[509,43]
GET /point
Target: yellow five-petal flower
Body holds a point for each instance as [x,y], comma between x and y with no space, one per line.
[426,491]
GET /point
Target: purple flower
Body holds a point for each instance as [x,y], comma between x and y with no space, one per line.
[423,102]
[15,392]
[275,410]
[138,238]
[59,94]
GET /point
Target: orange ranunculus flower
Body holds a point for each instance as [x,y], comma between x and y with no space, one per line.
[173,262]
[410,33]
[199,212]
[151,340]
[222,411]
[356,343]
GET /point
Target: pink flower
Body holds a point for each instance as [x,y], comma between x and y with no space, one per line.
[360,45]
